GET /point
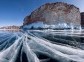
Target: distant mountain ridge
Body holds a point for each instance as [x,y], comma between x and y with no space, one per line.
[10,27]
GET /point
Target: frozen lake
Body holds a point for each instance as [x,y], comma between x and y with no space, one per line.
[42,46]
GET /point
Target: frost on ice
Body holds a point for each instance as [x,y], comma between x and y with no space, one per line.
[59,25]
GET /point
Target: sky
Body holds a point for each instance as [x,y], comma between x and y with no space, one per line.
[12,12]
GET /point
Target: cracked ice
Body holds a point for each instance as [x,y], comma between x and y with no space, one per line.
[31,47]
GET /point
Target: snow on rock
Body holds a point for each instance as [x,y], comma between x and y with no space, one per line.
[34,25]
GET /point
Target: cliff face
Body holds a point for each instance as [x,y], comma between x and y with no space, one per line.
[82,19]
[55,13]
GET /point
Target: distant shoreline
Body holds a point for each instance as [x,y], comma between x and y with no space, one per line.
[10,30]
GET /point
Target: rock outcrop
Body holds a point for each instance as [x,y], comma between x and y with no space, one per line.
[55,13]
[82,19]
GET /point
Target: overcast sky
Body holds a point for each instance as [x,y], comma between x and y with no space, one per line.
[12,12]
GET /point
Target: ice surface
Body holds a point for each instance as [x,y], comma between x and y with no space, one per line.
[33,46]
[60,25]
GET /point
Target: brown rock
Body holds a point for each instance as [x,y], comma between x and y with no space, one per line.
[54,13]
[82,19]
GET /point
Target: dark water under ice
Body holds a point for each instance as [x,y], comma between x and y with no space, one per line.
[24,49]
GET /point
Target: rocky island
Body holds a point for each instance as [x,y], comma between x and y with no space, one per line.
[54,15]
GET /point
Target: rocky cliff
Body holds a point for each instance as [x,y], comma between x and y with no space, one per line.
[55,13]
[82,19]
